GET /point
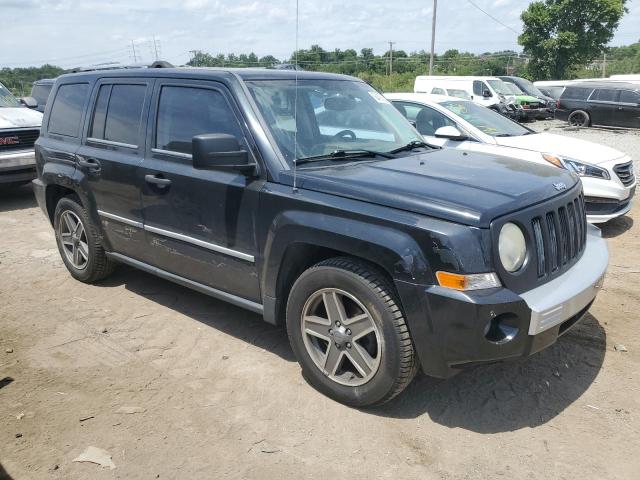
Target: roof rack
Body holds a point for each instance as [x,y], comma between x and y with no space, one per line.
[117,66]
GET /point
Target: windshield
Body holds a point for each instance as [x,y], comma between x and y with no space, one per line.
[530,88]
[332,115]
[454,92]
[499,86]
[486,120]
[7,99]
[513,89]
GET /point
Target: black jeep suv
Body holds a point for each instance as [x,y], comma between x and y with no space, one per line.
[308,198]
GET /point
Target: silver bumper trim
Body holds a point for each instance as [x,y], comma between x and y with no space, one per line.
[562,298]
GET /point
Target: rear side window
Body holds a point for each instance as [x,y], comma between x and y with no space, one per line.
[629,96]
[67,109]
[41,93]
[184,112]
[124,114]
[576,93]
[438,91]
[604,95]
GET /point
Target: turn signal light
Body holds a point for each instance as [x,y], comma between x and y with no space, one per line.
[474,281]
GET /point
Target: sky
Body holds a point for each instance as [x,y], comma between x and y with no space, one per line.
[72,33]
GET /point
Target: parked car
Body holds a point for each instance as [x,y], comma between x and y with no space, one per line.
[19,129]
[607,174]
[481,90]
[40,91]
[614,104]
[532,107]
[529,88]
[378,252]
[552,88]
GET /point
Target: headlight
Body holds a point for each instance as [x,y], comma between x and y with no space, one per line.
[512,247]
[582,169]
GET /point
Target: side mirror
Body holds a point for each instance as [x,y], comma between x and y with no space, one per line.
[29,102]
[450,133]
[486,93]
[219,151]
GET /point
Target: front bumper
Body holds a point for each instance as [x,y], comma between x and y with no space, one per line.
[17,166]
[536,113]
[457,329]
[607,199]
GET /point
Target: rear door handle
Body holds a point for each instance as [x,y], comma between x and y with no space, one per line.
[157,180]
[89,163]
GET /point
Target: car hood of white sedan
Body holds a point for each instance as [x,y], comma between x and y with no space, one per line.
[581,150]
[19,117]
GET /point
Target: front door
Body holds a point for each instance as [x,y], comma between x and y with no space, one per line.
[199,223]
[629,109]
[112,149]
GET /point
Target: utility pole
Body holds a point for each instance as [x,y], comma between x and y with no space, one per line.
[604,66]
[433,36]
[133,48]
[156,47]
[391,57]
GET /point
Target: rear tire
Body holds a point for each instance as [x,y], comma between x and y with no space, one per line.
[368,357]
[579,118]
[78,242]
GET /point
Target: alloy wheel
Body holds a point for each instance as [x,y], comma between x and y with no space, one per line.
[74,239]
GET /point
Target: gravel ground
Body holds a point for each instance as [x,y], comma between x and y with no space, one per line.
[173,384]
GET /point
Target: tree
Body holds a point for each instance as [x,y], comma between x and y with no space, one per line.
[561,35]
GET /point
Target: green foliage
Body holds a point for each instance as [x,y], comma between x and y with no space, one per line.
[563,35]
[19,80]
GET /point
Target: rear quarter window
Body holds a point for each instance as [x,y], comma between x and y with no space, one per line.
[576,93]
[629,96]
[66,112]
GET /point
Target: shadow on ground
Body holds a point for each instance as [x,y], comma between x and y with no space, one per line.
[616,227]
[16,198]
[239,323]
[3,474]
[509,396]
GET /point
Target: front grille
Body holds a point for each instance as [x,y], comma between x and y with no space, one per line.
[18,139]
[625,173]
[559,236]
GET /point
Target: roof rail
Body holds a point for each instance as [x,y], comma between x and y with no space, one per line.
[118,66]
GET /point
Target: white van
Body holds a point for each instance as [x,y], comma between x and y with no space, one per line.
[485,91]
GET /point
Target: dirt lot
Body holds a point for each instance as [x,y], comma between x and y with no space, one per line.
[219,394]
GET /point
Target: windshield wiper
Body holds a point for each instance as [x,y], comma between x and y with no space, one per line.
[338,155]
[504,135]
[412,145]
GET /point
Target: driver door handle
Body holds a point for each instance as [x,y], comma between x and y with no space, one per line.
[157,180]
[89,163]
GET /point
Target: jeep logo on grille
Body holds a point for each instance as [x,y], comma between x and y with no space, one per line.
[560,186]
[14,140]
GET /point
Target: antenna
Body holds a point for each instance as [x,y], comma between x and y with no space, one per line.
[295,110]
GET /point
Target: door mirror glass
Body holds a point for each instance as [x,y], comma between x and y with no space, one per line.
[29,102]
[220,151]
[450,133]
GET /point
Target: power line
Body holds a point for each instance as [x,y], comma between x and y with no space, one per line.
[493,18]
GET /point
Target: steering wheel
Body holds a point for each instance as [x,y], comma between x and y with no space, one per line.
[345,134]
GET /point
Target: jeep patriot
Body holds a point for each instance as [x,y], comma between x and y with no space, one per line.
[309,199]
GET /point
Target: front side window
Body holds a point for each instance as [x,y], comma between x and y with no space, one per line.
[66,112]
[7,99]
[486,120]
[329,116]
[605,95]
[629,96]
[428,120]
[184,112]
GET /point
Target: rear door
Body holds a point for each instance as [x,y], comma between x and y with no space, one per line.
[629,109]
[603,106]
[199,223]
[112,150]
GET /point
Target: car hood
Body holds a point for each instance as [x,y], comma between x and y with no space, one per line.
[581,150]
[467,188]
[19,117]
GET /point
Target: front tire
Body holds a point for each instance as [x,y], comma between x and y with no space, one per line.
[348,333]
[78,242]
[579,118]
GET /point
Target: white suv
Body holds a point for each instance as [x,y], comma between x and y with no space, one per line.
[607,174]
[19,129]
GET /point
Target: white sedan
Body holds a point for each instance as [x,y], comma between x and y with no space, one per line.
[607,174]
